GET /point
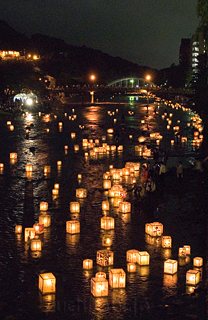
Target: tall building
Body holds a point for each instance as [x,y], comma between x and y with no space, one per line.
[197,48]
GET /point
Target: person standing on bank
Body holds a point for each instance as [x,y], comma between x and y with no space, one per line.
[180,172]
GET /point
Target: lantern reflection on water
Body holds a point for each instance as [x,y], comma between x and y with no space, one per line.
[105,257]
[99,287]
[192,277]
[117,278]
[73,226]
[47,283]
[131,267]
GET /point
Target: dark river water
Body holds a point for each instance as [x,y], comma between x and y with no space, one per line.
[62,254]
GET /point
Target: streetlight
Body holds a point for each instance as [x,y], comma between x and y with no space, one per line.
[92,77]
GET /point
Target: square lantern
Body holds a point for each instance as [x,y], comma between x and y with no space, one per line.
[107,240]
[39,228]
[13,155]
[47,170]
[155,229]
[35,245]
[192,277]
[198,262]
[116,202]
[81,193]
[29,234]
[131,267]
[76,147]
[55,192]
[87,264]
[105,258]
[45,220]
[74,207]
[47,283]
[99,287]
[166,242]
[18,229]
[117,278]
[182,252]
[73,226]
[107,223]
[170,266]
[120,148]
[105,205]
[125,207]
[43,206]
[106,184]
[56,186]
[143,258]
[73,135]
[132,255]
[28,168]
[188,249]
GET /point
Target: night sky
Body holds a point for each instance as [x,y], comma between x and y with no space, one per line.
[147,32]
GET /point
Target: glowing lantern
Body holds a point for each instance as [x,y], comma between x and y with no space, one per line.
[99,287]
[35,245]
[47,170]
[29,234]
[107,223]
[168,127]
[198,262]
[132,255]
[81,193]
[13,156]
[87,264]
[154,229]
[11,127]
[73,226]
[188,249]
[182,252]
[45,220]
[65,147]
[143,258]
[1,168]
[117,278]
[106,240]
[28,168]
[106,184]
[120,148]
[110,130]
[74,207]
[100,275]
[55,192]
[117,201]
[170,266]
[47,283]
[113,148]
[125,171]
[73,135]
[141,139]
[85,143]
[172,142]
[166,242]
[105,205]
[188,124]
[43,206]
[125,207]
[76,147]
[60,124]
[105,257]
[39,228]
[131,267]
[18,229]
[79,176]
[9,123]
[192,277]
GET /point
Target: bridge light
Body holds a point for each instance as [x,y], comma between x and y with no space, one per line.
[148,77]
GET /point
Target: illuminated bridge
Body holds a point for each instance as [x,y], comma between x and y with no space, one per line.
[130,82]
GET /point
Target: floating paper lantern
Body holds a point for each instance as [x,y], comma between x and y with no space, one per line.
[143,258]
[154,229]
[132,255]
[99,287]
[117,278]
[107,223]
[172,142]
[124,207]
[170,266]
[18,229]
[182,252]
[29,234]
[11,127]
[55,192]
[74,207]
[113,148]
[131,267]
[117,201]
[106,184]
[28,168]
[110,130]
[100,275]
[1,167]
[76,147]
[87,264]
[39,228]
[198,262]
[166,242]
[47,170]
[125,171]
[141,139]
[120,148]
[73,135]
[13,155]
[35,245]
[79,176]
[9,123]
[47,283]
[192,277]
[188,249]
[81,193]
[105,257]
[45,220]
[60,124]
[105,205]
[73,226]
[43,206]
[106,240]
